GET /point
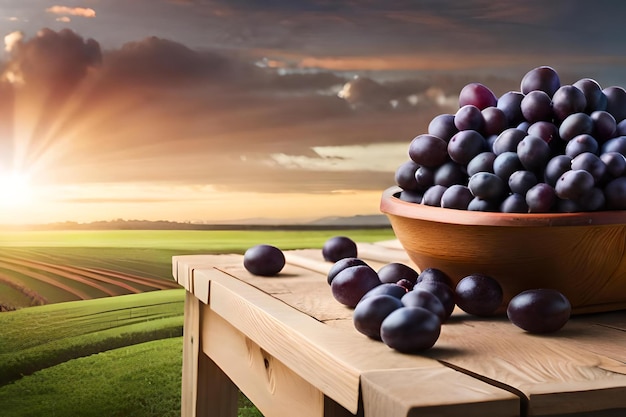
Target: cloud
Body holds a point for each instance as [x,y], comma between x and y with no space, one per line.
[72,11]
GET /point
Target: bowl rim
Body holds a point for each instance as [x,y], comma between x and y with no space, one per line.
[390,204]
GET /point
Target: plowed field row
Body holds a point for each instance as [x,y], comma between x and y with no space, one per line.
[66,282]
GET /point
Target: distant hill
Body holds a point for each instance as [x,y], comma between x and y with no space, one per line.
[352,222]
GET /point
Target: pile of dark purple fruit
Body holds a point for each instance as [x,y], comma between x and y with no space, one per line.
[549,147]
[406,309]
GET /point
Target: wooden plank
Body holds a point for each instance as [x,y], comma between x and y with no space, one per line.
[328,358]
[433,392]
[191,333]
[274,389]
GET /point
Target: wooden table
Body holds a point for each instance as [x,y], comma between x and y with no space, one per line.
[289,346]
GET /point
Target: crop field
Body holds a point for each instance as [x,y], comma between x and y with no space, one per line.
[97,321]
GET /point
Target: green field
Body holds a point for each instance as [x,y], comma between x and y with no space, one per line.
[99,354]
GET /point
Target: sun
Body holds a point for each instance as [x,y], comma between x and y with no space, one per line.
[15,190]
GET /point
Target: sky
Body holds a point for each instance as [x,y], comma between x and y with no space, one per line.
[220,111]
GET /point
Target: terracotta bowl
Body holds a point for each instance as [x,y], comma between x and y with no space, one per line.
[580,254]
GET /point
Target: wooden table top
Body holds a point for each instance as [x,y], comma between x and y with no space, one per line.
[478,367]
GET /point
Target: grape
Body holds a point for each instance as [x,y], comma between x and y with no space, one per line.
[450,173]
[507,140]
[495,121]
[478,204]
[342,264]
[338,247]
[555,168]
[386,288]
[432,196]
[411,196]
[540,198]
[444,292]
[514,203]
[352,283]
[428,150]
[617,144]
[534,153]
[596,100]
[522,181]
[505,164]
[465,145]
[615,163]
[478,95]
[264,260]
[370,312]
[545,130]
[536,106]
[581,144]
[420,297]
[405,176]
[604,125]
[574,184]
[590,162]
[615,194]
[510,103]
[478,294]
[567,100]
[616,102]
[539,310]
[487,186]
[456,197]
[592,201]
[543,78]
[483,162]
[469,117]
[574,125]
[442,126]
[434,275]
[395,271]
[410,329]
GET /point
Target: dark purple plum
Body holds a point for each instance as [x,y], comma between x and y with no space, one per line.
[477,94]
[537,106]
[604,125]
[581,144]
[406,284]
[432,196]
[469,117]
[478,294]
[424,178]
[442,126]
[386,288]
[540,198]
[370,312]
[574,184]
[514,203]
[591,163]
[395,271]
[405,176]
[545,130]
[450,173]
[342,264]
[507,163]
[420,297]
[507,140]
[435,275]
[567,100]
[352,283]
[410,329]
[411,196]
[510,104]
[534,153]
[478,204]
[264,260]
[495,121]
[574,125]
[444,292]
[616,102]
[522,181]
[615,163]
[543,78]
[339,247]
[555,168]
[540,310]
[428,150]
[456,197]
[483,162]
[596,100]
[594,200]
[465,145]
[616,144]
[615,194]
[487,186]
